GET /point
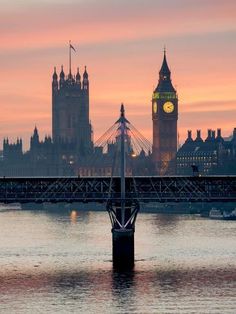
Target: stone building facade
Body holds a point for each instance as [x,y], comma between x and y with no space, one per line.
[214,155]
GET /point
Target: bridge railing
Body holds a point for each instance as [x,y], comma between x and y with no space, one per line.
[99,189]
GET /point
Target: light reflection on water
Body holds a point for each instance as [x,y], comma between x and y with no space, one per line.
[61,262]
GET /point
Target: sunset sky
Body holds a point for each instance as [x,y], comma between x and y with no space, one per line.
[121,42]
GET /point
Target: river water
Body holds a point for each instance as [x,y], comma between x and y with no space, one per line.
[60,262]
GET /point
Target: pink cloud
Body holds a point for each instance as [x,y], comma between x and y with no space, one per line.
[122,46]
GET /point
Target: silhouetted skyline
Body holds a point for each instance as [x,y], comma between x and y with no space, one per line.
[122,45]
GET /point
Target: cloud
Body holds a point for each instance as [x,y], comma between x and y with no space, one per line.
[209,106]
[122,43]
[111,21]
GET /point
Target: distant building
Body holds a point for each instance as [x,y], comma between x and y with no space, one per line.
[214,155]
[12,151]
[107,163]
[70,150]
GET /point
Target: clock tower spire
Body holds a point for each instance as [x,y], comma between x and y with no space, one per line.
[164,117]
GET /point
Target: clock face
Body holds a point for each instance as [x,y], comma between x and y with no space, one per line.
[155,107]
[168,107]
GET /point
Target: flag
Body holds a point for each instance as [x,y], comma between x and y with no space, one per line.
[71,47]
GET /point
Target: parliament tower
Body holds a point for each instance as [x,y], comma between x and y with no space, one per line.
[164,117]
[70,111]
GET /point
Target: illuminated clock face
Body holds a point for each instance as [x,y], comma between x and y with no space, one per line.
[168,107]
[155,107]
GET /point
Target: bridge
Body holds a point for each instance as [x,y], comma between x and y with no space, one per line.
[101,189]
[121,194]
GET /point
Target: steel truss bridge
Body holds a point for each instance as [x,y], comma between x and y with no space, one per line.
[102,189]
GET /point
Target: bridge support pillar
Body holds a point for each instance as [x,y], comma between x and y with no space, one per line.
[123,248]
[123,227]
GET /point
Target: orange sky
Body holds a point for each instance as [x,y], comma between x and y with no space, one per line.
[121,42]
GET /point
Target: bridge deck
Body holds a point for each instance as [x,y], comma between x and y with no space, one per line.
[100,189]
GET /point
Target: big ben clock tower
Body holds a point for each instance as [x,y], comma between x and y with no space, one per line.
[164,117]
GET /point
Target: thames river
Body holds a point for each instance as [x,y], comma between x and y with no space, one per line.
[60,262]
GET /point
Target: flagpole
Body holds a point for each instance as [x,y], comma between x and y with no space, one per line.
[70,58]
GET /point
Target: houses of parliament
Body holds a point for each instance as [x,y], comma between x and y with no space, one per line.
[72,151]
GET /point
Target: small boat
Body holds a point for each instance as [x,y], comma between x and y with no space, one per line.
[215,214]
[222,214]
[229,215]
[12,206]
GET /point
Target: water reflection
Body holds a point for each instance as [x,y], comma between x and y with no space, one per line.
[127,288]
[166,221]
[61,262]
[122,279]
[66,215]
[73,216]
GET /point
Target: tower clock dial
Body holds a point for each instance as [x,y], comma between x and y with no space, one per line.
[168,107]
[155,107]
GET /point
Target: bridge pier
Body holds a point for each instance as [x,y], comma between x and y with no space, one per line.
[123,227]
[123,248]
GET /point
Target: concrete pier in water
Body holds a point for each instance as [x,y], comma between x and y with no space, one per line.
[123,248]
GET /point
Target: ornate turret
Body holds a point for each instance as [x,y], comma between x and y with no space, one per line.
[85,79]
[35,131]
[35,137]
[70,77]
[198,138]
[4,143]
[55,81]
[62,77]
[34,141]
[78,78]
[164,83]
[213,135]
[164,71]
[189,138]
[219,138]
[209,135]
[54,77]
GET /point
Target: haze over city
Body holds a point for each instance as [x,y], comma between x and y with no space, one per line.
[122,45]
